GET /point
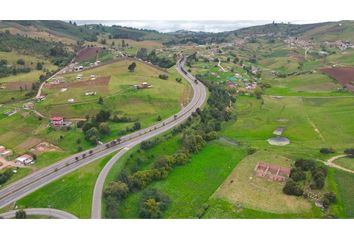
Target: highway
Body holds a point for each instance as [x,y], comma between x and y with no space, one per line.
[46,175]
[55,213]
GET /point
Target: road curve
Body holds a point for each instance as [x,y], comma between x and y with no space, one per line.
[46,175]
[51,212]
[199,98]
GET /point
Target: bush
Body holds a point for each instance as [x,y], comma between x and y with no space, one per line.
[297,174]
[153,203]
[293,188]
[118,190]
[163,76]
[21,214]
[21,62]
[327,150]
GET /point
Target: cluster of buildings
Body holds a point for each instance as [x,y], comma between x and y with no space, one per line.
[294,42]
[342,45]
[24,159]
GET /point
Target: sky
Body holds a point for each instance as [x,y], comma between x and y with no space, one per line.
[196,26]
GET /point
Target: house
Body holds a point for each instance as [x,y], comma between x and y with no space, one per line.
[2,148]
[71,100]
[57,121]
[6,153]
[24,159]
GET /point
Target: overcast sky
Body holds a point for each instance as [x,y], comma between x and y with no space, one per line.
[171,26]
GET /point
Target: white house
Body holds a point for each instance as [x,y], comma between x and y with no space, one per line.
[24,159]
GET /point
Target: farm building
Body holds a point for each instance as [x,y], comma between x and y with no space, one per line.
[272,172]
[24,159]
[57,121]
[5,152]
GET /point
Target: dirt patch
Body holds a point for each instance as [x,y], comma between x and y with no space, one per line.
[87,54]
[344,75]
[25,85]
[29,143]
[45,147]
[296,56]
[101,81]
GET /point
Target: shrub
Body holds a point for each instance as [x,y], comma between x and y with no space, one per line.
[293,188]
[327,150]
[153,203]
[163,76]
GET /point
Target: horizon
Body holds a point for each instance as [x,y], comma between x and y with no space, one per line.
[212,26]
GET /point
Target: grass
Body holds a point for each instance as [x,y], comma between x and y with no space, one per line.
[345,187]
[221,209]
[346,162]
[190,186]
[71,193]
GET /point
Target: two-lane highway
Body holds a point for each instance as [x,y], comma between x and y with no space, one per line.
[46,175]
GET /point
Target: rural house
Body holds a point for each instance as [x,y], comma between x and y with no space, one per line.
[57,121]
[24,159]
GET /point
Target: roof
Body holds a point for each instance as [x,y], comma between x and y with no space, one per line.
[24,157]
[56,118]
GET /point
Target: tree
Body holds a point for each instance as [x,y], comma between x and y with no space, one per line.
[92,135]
[21,61]
[104,128]
[132,67]
[163,76]
[158,118]
[136,126]
[142,54]
[20,214]
[153,203]
[117,190]
[39,66]
[292,188]
[100,100]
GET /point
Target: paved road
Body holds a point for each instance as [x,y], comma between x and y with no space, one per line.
[197,101]
[51,212]
[46,175]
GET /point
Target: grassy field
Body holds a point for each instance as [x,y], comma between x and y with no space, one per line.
[119,95]
[345,187]
[190,186]
[71,193]
[242,187]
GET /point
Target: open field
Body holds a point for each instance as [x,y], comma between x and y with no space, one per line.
[193,183]
[244,188]
[71,193]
